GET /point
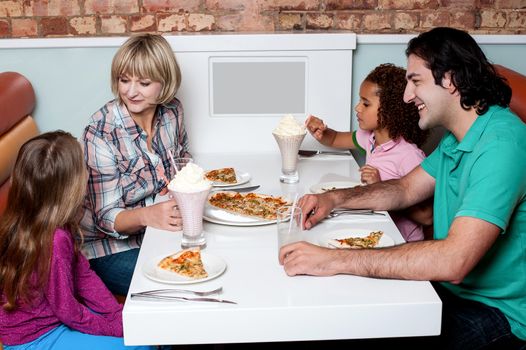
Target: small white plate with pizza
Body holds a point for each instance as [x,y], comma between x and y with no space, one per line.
[334,185]
[227,177]
[356,238]
[213,264]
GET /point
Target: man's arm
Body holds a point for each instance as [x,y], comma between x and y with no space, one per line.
[450,259]
[413,188]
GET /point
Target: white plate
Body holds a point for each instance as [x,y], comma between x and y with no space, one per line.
[241,178]
[327,240]
[219,216]
[214,266]
[326,186]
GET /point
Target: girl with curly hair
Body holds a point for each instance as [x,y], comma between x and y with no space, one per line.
[389,137]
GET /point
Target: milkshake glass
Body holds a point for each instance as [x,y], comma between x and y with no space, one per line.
[289,135]
[190,190]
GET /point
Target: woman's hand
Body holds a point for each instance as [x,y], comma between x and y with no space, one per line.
[165,216]
[316,127]
[369,175]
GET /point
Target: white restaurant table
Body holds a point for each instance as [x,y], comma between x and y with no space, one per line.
[272,306]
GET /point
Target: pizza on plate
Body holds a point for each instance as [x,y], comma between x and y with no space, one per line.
[369,241]
[187,263]
[224,175]
[248,204]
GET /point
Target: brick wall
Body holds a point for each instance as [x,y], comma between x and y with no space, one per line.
[63,18]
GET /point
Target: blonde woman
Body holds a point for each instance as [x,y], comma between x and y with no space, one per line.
[49,297]
[126,147]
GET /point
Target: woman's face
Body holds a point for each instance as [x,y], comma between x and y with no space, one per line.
[140,95]
[367,108]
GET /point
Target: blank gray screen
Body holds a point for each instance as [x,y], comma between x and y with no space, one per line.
[258,87]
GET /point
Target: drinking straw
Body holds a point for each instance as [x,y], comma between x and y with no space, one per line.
[172,160]
[292,210]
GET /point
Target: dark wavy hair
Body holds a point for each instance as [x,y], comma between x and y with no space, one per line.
[398,117]
[455,51]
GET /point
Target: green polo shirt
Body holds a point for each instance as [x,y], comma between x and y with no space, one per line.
[484,176]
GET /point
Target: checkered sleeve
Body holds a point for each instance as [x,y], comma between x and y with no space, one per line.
[104,192]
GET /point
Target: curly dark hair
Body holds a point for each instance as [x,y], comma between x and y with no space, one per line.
[455,51]
[399,118]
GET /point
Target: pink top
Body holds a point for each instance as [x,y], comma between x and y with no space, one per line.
[393,160]
[75,296]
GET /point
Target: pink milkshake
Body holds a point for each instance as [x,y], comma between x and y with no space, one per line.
[190,190]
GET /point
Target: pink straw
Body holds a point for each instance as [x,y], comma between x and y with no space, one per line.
[172,160]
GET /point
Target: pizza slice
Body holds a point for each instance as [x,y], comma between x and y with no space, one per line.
[369,241]
[187,263]
[250,204]
[224,175]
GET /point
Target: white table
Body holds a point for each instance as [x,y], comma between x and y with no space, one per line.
[272,306]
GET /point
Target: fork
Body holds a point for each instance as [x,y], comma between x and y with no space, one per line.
[334,214]
[175,290]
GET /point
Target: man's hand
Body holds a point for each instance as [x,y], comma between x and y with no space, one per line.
[315,207]
[302,258]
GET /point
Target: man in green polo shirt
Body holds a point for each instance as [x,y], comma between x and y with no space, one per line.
[476,174]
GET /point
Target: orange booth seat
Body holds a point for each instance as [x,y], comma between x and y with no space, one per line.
[17,101]
[517,82]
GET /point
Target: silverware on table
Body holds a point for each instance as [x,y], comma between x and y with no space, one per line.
[311,153]
[153,297]
[236,189]
[338,212]
[177,290]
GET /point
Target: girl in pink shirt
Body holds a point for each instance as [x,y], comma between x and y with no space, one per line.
[49,297]
[389,137]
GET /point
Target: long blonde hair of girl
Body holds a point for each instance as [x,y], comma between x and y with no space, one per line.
[48,186]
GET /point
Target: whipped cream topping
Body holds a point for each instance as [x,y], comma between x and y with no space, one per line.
[289,126]
[191,178]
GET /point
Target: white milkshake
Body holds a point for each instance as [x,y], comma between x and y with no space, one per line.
[289,135]
[190,189]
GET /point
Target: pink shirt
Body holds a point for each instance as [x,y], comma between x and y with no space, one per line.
[393,160]
[75,296]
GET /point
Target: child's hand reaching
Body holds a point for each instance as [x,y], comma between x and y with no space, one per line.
[316,127]
[370,175]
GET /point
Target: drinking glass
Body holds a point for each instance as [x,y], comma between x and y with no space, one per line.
[289,224]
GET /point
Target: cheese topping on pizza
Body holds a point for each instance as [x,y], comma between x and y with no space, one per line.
[225,175]
[187,263]
[369,241]
[249,204]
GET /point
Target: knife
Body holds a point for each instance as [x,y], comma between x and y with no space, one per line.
[177,298]
[310,153]
[238,189]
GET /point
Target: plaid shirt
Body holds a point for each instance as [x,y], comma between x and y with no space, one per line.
[123,173]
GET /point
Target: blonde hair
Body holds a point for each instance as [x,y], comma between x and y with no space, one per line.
[47,191]
[147,56]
